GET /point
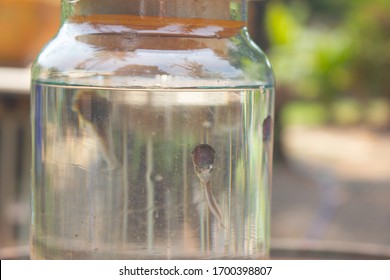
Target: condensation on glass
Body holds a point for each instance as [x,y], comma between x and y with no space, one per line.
[152,134]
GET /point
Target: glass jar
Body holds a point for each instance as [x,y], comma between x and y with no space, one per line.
[152,133]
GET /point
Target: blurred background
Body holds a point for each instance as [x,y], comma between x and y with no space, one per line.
[331,186]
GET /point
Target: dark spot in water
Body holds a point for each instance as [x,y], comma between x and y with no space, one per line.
[267,128]
[203,156]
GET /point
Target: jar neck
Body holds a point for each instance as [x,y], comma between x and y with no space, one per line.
[231,10]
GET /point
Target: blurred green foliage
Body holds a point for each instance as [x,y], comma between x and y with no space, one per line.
[332,52]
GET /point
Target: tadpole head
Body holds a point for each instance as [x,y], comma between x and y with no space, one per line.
[203,158]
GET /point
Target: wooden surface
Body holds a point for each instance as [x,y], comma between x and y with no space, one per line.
[25,27]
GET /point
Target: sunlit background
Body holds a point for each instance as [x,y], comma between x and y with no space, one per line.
[331,188]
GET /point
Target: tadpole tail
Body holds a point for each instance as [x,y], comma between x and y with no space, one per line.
[107,150]
[212,203]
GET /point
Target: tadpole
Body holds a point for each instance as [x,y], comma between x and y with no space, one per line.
[203,156]
[94,110]
[267,146]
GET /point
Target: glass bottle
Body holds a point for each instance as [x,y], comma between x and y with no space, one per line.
[152,133]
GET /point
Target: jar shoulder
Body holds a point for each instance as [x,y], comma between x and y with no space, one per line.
[126,59]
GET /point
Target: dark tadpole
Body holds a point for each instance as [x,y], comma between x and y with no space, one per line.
[203,156]
[267,128]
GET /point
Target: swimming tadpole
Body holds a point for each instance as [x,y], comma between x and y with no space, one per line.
[203,156]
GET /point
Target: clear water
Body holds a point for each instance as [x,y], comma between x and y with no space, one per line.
[113,175]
